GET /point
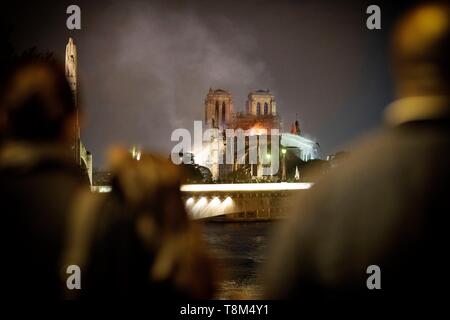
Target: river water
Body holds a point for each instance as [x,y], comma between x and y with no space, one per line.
[241,249]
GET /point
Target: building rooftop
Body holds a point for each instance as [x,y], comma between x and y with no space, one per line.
[218,91]
[260,91]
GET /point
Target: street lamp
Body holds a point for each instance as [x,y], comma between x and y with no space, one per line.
[283,168]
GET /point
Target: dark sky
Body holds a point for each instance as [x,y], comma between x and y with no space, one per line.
[146,66]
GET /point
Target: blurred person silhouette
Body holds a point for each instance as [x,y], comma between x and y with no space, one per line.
[136,241]
[143,242]
[38,175]
[388,203]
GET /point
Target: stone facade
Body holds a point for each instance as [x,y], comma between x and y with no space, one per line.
[218,109]
[256,123]
[261,103]
[82,156]
[245,206]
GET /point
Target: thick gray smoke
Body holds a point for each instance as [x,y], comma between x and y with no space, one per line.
[155,67]
[146,66]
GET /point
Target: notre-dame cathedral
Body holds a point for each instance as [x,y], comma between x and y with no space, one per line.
[258,119]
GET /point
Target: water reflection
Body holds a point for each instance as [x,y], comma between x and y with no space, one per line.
[242,249]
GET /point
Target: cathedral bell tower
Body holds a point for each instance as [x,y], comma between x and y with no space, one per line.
[218,109]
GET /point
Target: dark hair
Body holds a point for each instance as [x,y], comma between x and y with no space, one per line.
[34,102]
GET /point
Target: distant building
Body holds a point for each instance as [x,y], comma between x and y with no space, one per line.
[256,123]
[295,129]
[82,156]
[261,103]
[218,109]
[306,149]
[260,114]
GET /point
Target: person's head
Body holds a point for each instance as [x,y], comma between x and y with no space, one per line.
[420,51]
[37,104]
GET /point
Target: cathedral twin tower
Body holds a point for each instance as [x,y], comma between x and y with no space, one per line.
[261,111]
[218,109]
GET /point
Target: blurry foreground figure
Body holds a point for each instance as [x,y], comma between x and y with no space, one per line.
[136,241]
[388,205]
[144,244]
[38,178]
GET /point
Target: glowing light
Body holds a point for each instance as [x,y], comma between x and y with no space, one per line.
[198,207]
[101,189]
[283,151]
[257,130]
[245,187]
[215,202]
[190,201]
[204,209]
[228,201]
[135,153]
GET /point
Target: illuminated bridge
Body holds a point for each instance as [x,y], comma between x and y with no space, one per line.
[240,201]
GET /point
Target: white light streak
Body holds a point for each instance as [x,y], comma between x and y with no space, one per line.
[246,187]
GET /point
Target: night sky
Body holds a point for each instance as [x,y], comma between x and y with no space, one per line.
[146,66]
